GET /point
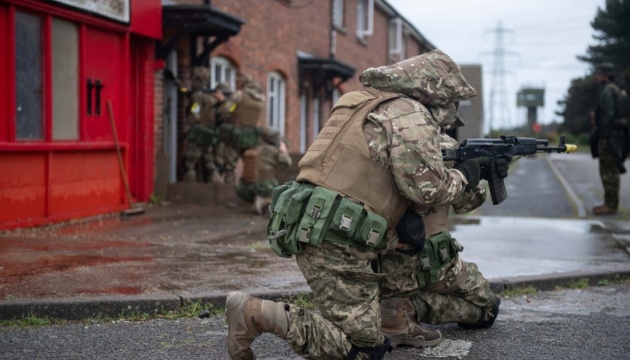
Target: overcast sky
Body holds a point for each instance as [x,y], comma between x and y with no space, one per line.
[541,42]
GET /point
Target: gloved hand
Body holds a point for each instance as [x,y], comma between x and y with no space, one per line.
[502,166]
[472,169]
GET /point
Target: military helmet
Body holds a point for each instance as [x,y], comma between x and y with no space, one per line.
[224,87]
[606,68]
[200,78]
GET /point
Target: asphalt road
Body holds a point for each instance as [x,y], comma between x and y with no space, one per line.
[593,323]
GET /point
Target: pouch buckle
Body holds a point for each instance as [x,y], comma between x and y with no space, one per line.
[346,222]
[424,260]
[305,234]
[372,238]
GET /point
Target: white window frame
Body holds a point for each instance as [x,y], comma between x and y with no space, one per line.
[316,117]
[338,13]
[397,45]
[226,72]
[365,11]
[276,101]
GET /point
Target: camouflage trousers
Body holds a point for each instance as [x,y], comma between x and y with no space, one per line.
[231,155]
[195,152]
[346,291]
[461,293]
[609,173]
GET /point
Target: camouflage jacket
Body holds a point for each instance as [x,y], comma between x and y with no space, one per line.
[404,134]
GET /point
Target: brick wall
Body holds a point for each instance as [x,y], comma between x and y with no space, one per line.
[275,30]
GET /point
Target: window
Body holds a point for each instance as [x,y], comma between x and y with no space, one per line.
[222,71]
[365,18]
[65,80]
[276,101]
[338,13]
[28,77]
[396,40]
[31,35]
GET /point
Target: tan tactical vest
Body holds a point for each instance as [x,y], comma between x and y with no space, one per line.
[247,111]
[339,158]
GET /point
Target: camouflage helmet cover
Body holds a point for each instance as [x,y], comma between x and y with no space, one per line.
[200,78]
[432,79]
[224,87]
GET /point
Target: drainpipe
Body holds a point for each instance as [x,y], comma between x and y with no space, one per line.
[333,31]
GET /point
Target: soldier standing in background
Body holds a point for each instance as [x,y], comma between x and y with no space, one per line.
[260,166]
[239,130]
[200,128]
[378,152]
[612,137]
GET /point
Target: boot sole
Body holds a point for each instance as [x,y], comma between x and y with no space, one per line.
[234,312]
[418,343]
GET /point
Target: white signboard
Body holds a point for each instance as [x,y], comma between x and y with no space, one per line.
[114,9]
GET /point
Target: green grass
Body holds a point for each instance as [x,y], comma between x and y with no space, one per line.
[519,291]
[190,309]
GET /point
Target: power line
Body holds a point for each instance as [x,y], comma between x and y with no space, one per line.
[498,91]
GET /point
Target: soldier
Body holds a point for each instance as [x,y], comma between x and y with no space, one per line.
[612,136]
[200,130]
[378,152]
[260,166]
[239,130]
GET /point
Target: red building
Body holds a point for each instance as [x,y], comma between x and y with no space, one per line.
[63,65]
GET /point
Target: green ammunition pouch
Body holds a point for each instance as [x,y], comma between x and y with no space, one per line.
[241,138]
[201,135]
[307,214]
[439,250]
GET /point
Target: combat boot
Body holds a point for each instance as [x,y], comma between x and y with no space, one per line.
[260,204]
[484,322]
[604,210]
[399,325]
[247,318]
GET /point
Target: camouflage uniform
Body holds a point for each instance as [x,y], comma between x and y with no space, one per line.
[403,136]
[268,159]
[613,138]
[200,128]
[251,89]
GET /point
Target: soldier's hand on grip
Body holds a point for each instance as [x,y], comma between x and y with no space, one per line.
[502,165]
[472,170]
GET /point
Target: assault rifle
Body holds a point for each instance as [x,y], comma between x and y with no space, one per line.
[504,148]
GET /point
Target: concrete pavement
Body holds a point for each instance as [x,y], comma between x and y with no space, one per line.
[543,235]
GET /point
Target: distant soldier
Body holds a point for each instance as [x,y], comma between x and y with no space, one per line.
[200,128]
[260,165]
[239,130]
[612,137]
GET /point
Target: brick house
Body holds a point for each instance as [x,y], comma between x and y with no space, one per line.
[306,53]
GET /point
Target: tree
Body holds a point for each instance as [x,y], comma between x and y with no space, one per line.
[581,99]
[612,31]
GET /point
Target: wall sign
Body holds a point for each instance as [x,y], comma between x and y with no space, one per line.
[114,9]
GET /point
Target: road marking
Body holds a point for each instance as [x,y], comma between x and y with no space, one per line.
[574,198]
[448,348]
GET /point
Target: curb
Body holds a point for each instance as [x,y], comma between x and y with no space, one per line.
[112,306]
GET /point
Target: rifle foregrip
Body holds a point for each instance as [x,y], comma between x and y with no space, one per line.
[497,186]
